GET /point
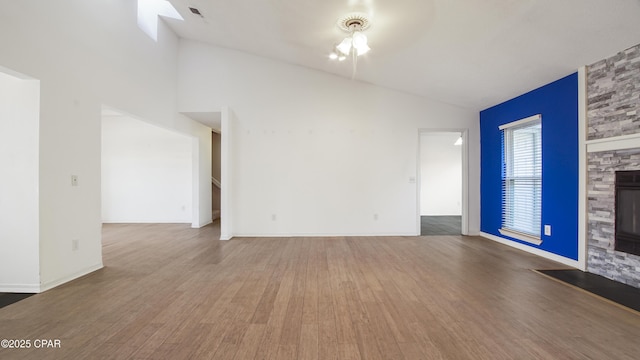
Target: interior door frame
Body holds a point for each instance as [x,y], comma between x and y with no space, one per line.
[464,229]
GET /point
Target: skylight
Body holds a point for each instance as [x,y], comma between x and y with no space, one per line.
[148,12]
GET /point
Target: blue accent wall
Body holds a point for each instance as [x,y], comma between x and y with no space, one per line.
[557,102]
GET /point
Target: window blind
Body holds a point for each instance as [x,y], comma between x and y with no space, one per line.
[522,176]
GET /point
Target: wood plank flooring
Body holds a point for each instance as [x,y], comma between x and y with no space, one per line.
[172,292]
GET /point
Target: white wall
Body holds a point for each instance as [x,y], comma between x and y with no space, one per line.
[201,168]
[86,54]
[440,174]
[19,224]
[146,173]
[315,154]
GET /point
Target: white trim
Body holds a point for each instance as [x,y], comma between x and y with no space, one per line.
[20,288]
[57,282]
[226,134]
[582,169]
[465,183]
[195,181]
[202,224]
[520,122]
[520,236]
[146,222]
[614,143]
[534,251]
[316,235]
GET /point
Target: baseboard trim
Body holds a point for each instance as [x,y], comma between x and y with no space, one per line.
[534,251]
[225,237]
[201,225]
[314,235]
[145,222]
[57,282]
[20,288]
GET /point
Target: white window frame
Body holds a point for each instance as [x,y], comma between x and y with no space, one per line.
[505,230]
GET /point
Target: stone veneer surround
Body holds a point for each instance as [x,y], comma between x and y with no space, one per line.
[602,258]
[613,91]
[613,110]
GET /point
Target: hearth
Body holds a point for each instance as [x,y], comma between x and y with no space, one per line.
[627,231]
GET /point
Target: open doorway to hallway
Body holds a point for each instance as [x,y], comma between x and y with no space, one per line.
[221,128]
[441,180]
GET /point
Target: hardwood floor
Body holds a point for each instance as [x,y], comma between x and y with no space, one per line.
[172,292]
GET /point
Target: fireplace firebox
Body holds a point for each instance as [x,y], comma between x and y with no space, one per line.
[627,231]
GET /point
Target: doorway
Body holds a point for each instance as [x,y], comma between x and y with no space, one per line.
[441,173]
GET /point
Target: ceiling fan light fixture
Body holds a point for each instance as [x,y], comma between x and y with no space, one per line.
[345,46]
[363,49]
[355,44]
[347,22]
[359,39]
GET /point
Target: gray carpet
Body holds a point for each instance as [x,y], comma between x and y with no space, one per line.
[440,225]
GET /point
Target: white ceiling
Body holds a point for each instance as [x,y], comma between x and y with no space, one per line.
[210,119]
[472,53]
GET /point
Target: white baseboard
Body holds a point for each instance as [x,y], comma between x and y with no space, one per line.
[229,237]
[203,224]
[57,282]
[531,250]
[182,221]
[286,235]
[20,288]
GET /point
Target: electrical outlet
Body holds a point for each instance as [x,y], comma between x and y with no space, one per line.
[375,217]
[75,244]
[74,180]
[547,230]
[273,217]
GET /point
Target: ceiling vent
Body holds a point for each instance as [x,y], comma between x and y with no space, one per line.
[195,11]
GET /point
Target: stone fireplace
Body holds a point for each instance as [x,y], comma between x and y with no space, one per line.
[613,146]
[627,212]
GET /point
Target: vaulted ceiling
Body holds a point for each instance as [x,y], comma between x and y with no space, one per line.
[471,53]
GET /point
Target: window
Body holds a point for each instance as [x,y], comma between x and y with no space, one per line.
[522,179]
[148,12]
